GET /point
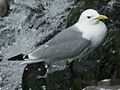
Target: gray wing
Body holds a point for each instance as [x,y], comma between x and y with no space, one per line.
[66,44]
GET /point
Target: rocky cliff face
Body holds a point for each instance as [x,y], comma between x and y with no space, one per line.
[30,23]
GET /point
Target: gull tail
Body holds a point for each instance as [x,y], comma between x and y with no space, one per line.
[25,59]
[19,57]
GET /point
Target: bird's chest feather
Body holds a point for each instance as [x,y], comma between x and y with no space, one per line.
[94,33]
[97,37]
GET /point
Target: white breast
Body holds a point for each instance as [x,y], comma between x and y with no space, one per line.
[96,32]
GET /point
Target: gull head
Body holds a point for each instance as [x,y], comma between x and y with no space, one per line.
[91,16]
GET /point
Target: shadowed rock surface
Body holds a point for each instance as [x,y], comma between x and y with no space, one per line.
[31,23]
[3,7]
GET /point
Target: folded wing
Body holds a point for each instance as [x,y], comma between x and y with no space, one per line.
[66,44]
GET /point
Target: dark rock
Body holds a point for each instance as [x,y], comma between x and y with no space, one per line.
[33,22]
[3,7]
[103,85]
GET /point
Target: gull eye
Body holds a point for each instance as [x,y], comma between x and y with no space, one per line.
[88,17]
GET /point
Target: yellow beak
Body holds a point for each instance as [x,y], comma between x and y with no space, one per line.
[102,17]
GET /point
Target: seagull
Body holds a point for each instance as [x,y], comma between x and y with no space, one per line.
[72,43]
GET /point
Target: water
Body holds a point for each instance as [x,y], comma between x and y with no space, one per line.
[32,22]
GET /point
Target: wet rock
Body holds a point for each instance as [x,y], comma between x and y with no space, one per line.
[9,78]
[103,85]
[115,79]
[3,7]
[33,73]
[81,5]
[33,22]
[29,23]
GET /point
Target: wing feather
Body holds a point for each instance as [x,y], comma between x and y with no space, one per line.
[67,44]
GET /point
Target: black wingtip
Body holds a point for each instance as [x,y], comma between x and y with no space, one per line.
[17,58]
